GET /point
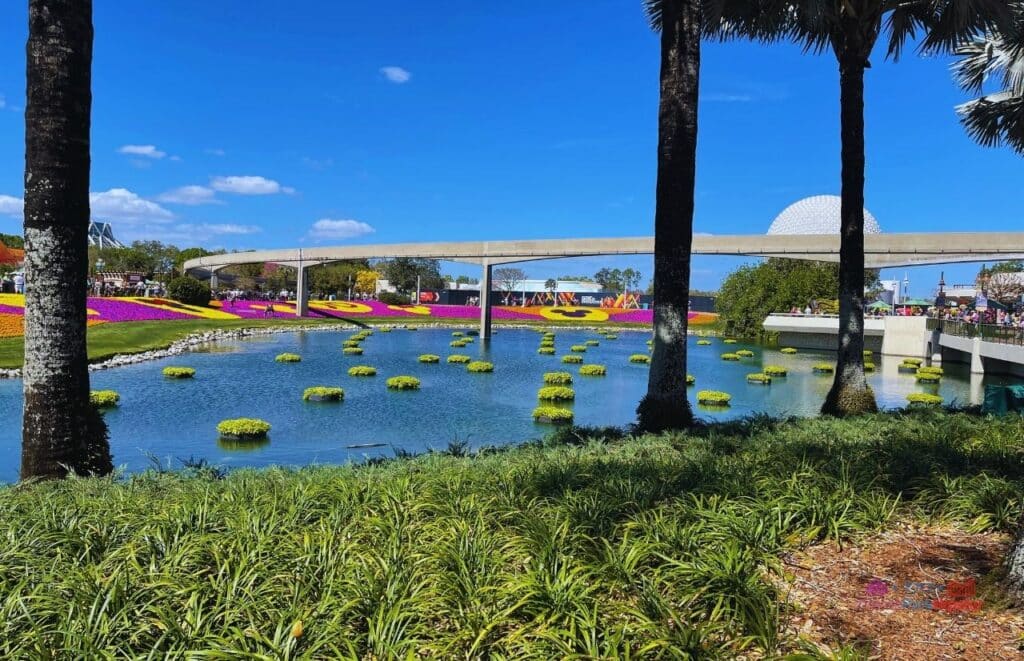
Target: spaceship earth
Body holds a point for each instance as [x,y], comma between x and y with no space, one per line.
[817,215]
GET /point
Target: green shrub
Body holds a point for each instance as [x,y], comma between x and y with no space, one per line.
[924,399]
[730,356]
[572,359]
[713,398]
[556,393]
[930,370]
[639,358]
[429,358]
[362,370]
[179,372]
[403,383]
[104,398]
[691,380]
[352,351]
[292,357]
[729,341]
[824,368]
[351,343]
[869,367]
[593,370]
[480,366]
[557,378]
[745,353]
[928,377]
[552,414]
[703,343]
[458,344]
[592,343]
[908,368]
[759,377]
[323,394]
[243,428]
[458,358]
[546,351]
[393,298]
[868,353]
[457,333]
[775,370]
[916,362]
[578,348]
[787,350]
[188,290]
[611,336]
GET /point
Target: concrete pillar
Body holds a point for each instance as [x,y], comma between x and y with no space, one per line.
[213,281]
[485,303]
[936,344]
[977,367]
[301,293]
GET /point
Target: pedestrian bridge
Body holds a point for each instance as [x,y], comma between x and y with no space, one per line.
[880,251]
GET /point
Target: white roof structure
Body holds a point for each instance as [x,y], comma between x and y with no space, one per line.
[817,215]
[101,235]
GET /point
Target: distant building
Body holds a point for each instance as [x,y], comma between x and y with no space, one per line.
[101,235]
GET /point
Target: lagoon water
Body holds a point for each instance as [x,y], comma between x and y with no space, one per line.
[171,420]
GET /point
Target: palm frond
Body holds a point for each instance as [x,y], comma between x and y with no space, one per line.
[995,120]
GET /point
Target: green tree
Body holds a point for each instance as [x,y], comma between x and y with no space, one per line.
[336,278]
[665,406]
[850,29]
[552,286]
[12,240]
[61,430]
[610,280]
[402,272]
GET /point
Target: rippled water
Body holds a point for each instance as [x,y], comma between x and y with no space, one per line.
[174,420]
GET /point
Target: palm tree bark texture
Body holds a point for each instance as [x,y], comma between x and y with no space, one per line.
[61,431]
[665,405]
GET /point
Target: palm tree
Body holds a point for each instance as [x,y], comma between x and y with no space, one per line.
[552,286]
[994,119]
[851,29]
[61,430]
[665,405]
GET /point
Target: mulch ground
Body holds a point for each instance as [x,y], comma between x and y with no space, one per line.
[907,595]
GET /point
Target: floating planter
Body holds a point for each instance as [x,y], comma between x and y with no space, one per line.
[552,415]
[592,343]
[294,357]
[243,429]
[703,343]
[323,394]
[556,394]
[578,348]
[869,367]
[713,398]
[775,370]
[745,353]
[572,358]
[868,353]
[179,372]
[787,350]
[557,378]
[429,358]
[351,343]
[730,356]
[610,336]
[908,368]
[458,343]
[457,333]
[691,380]
[480,366]
[458,358]
[930,370]
[403,383]
[362,370]
[928,377]
[916,362]
[729,341]
[104,399]
[639,358]
[352,351]
[759,378]
[547,343]
[546,351]
[592,370]
[923,399]
[385,329]
[824,368]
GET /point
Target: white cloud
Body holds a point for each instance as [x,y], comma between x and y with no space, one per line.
[122,204]
[12,206]
[228,228]
[397,75]
[327,228]
[249,185]
[215,152]
[190,195]
[148,151]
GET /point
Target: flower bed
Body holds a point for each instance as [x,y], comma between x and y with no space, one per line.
[759,378]
[703,343]
[429,358]
[104,398]
[457,333]
[592,343]
[352,351]
[362,370]
[552,414]
[745,353]
[639,358]
[557,378]
[572,359]
[593,370]
[291,357]
[179,372]
[930,370]
[480,366]
[824,368]
[916,362]
[458,344]
[323,394]
[928,377]
[713,398]
[351,343]
[578,348]
[775,370]
[459,359]
[403,383]
[243,429]
[924,399]
[546,351]
[730,356]
[556,394]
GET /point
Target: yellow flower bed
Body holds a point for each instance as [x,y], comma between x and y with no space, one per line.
[552,414]
[403,383]
[323,394]
[713,398]
[104,398]
[571,313]
[593,370]
[430,358]
[243,428]
[557,378]
[174,306]
[480,366]
[362,370]
[460,359]
[640,358]
[556,394]
[179,372]
[288,358]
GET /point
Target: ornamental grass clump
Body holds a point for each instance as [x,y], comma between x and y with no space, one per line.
[480,366]
[593,370]
[552,414]
[352,351]
[546,351]
[292,357]
[713,398]
[243,429]
[429,358]
[759,378]
[578,348]
[558,378]
[457,358]
[572,359]
[323,394]
[403,383]
[556,394]
[730,356]
[924,399]
[824,368]
[179,372]
[775,370]
[787,350]
[362,370]
[104,398]
[745,353]
[639,358]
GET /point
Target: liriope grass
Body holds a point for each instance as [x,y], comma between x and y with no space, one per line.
[588,544]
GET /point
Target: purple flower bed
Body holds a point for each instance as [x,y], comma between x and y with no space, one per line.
[11,309]
[112,309]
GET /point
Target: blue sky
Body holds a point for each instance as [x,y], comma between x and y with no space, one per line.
[242,125]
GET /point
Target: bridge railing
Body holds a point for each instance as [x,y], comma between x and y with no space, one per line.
[987,332]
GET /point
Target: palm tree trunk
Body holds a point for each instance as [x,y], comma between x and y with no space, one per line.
[665,406]
[850,393]
[61,430]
